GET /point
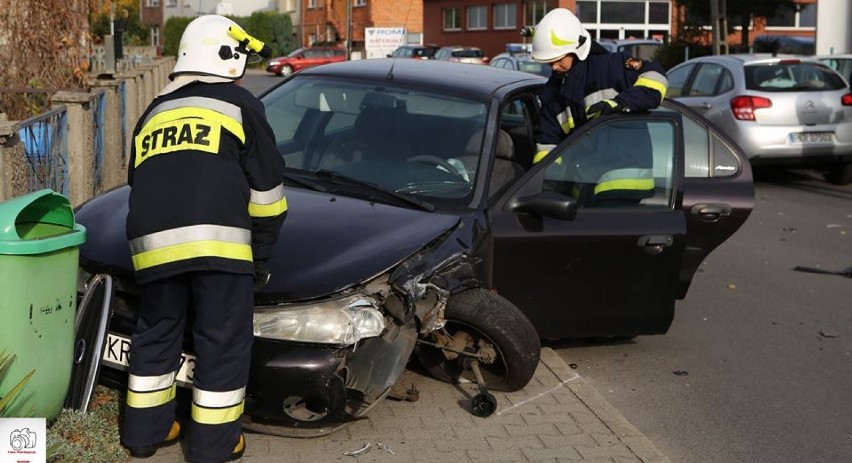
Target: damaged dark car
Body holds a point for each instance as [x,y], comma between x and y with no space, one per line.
[419,228]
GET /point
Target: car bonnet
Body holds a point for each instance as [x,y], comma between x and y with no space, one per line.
[327,243]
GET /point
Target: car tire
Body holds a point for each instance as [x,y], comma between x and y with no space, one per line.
[486,316]
[840,174]
[285,70]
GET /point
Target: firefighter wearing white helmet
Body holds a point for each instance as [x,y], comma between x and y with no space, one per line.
[588,82]
[206,206]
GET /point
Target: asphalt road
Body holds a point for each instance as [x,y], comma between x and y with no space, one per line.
[757,366]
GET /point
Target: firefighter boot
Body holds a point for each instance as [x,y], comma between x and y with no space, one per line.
[146,452]
[239,449]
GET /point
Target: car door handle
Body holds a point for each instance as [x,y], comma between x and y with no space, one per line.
[705,105]
[654,244]
[711,212]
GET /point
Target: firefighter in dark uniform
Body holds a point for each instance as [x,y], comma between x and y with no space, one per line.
[206,206]
[587,82]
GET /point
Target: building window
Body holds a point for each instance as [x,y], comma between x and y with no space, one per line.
[452,19]
[621,19]
[171,3]
[623,12]
[152,3]
[155,36]
[477,18]
[312,3]
[506,16]
[658,13]
[587,12]
[535,10]
[804,16]
[360,3]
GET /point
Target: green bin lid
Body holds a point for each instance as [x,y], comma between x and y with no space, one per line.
[38,222]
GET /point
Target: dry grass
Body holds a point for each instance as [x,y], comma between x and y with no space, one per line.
[91,438]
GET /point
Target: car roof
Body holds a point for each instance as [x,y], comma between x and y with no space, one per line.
[476,80]
[753,58]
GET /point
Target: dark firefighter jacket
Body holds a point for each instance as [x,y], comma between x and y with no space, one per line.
[206,183]
[635,84]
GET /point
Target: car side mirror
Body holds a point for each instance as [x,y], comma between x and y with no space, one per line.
[547,204]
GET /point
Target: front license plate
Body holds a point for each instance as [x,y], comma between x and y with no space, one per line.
[811,137]
[117,355]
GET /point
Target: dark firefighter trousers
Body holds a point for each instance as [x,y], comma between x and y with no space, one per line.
[222,337]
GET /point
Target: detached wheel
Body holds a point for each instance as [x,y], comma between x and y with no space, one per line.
[481,321]
[840,175]
[285,70]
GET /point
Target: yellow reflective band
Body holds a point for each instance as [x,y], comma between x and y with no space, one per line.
[568,125]
[652,84]
[194,112]
[268,210]
[168,137]
[575,191]
[555,40]
[216,415]
[636,184]
[542,154]
[150,399]
[191,250]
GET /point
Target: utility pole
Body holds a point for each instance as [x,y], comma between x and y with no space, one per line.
[719,15]
[348,30]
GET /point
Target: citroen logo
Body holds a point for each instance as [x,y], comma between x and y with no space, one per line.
[809,105]
[559,42]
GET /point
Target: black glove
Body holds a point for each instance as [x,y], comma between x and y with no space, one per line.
[261,275]
[604,107]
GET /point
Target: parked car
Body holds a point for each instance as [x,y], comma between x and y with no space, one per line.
[304,58]
[415,51]
[840,63]
[639,48]
[462,54]
[418,227]
[781,110]
[518,57]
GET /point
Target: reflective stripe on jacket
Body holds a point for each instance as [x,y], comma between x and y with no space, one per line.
[206,183]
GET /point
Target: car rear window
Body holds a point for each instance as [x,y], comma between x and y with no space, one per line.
[468,53]
[791,76]
[428,52]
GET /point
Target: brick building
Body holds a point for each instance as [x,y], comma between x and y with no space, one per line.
[491,24]
[326,20]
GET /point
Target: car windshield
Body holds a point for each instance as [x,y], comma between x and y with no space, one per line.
[791,76]
[295,53]
[424,52]
[406,141]
[468,53]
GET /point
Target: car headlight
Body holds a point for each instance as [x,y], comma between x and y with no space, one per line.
[339,321]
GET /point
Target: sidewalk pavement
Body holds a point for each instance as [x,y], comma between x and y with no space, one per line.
[556,418]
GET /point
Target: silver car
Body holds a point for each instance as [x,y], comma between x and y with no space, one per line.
[781,110]
[461,54]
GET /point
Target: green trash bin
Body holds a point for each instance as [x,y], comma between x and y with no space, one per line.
[39,255]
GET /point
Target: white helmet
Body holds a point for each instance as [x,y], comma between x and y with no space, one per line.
[559,33]
[213,45]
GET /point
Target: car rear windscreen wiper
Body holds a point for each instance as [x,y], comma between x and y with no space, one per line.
[337,176]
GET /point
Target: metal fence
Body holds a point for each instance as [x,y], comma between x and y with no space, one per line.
[45,140]
[98,129]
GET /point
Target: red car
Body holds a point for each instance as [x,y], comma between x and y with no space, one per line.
[304,58]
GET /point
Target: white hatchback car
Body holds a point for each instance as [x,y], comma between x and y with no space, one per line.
[781,110]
